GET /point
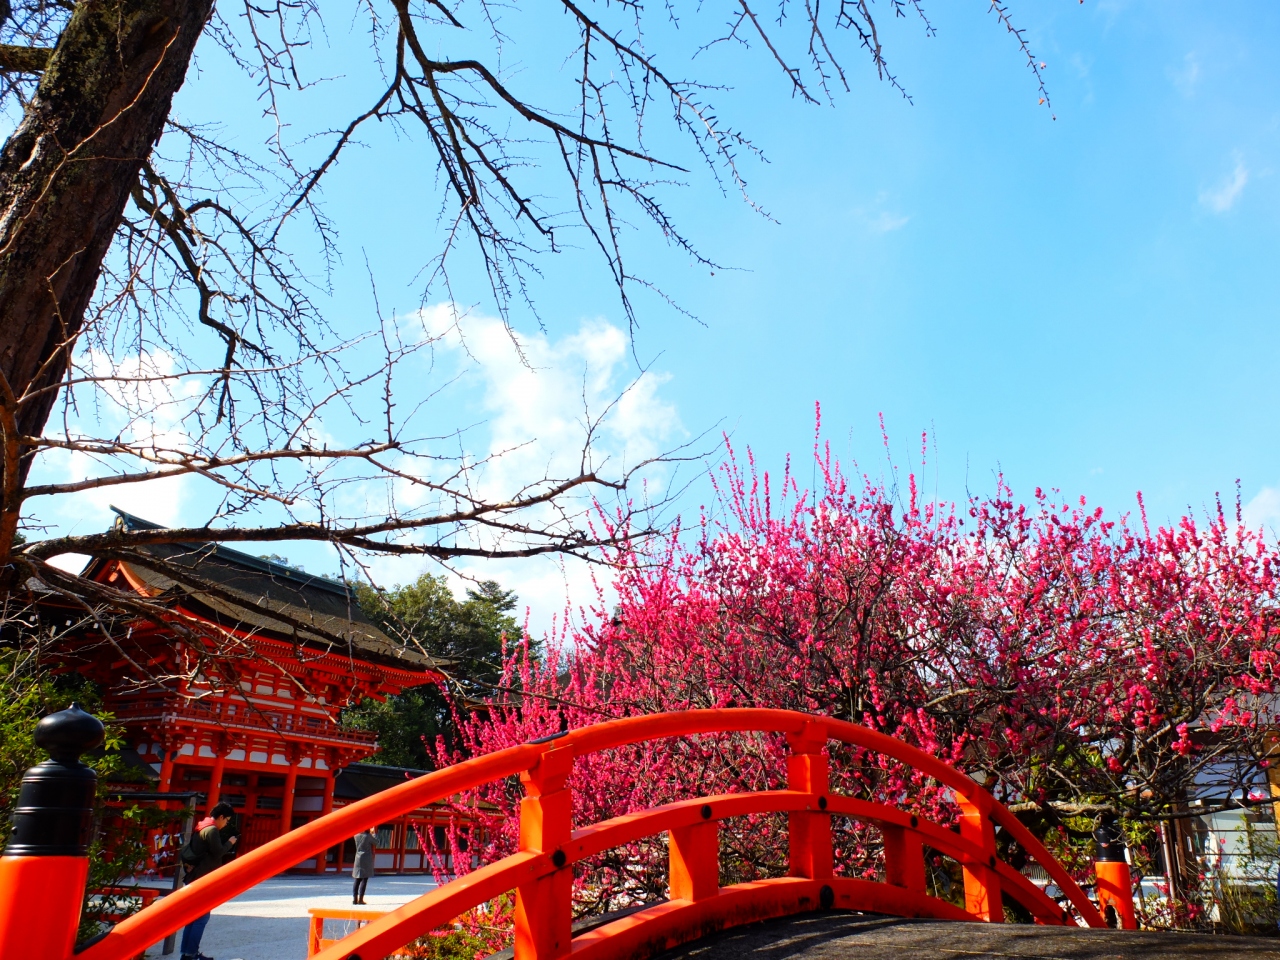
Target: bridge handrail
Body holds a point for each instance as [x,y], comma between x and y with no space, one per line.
[139,931]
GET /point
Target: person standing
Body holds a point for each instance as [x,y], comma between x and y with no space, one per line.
[208,851]
[362,868]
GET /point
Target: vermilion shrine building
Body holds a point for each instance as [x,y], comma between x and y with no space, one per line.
[257,726]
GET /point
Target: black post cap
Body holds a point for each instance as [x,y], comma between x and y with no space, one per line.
[54,815]
[69,733]
[1108,840]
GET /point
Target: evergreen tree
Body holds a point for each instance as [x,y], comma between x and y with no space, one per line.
[466,637]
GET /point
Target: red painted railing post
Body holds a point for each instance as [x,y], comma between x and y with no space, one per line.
[903,858]
[810,831]
[544,908]
[1111,866]
[982,895]
[694,853]
[46,861]
[315,935]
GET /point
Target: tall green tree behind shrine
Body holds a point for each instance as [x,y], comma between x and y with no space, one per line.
[470,637]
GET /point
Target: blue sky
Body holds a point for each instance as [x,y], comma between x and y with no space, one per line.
[1089,302]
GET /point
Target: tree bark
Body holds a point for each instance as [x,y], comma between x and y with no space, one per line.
[65,176]
[19,59]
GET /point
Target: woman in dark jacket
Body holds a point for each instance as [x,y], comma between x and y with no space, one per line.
[362,868]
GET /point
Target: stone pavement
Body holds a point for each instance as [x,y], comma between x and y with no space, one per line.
[843,936]
[270,922]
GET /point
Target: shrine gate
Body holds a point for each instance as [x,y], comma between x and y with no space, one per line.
[258,725]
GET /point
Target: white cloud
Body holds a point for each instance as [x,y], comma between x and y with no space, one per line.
[1187,76]
[1111,11]
[886,222]
[540,396]
[533,401]
[1223,197]
[876,216]
[71,562]
[132,405]
[1263,511]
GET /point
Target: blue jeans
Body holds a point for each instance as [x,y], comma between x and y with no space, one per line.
[191,936]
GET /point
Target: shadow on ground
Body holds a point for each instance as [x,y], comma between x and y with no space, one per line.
[844,936]
[270,921]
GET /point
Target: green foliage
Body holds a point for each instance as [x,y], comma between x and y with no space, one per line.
[24,692]
[466,634]
[402,724]
[282,561]
[119,852]
[29,692]
[453,945]
[466,637]
[1246,899]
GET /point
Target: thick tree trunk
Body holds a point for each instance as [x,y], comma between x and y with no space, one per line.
[65,176]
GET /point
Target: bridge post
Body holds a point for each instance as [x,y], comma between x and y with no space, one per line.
[903,858]
[544,908]
[694,854]
[810,832]
[1115,886]
[982,894]
[46,862]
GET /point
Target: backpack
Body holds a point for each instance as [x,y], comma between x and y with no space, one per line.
[190,855]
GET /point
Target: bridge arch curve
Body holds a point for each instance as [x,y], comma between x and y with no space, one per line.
[541,871]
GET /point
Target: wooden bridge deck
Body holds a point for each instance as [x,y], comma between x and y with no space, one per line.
[843,936]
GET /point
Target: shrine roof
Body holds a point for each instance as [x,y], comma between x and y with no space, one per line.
[356,781]
[359,780]
[264,587]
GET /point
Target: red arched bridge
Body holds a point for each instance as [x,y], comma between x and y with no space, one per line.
[541,871]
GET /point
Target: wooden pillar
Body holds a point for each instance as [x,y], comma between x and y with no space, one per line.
[810,831]
[326,807]
[544,908]
[215,778]
[982,894]
[286,805]
[316,934]
[1115,892]
[903,858]
[166,767]
[694,864]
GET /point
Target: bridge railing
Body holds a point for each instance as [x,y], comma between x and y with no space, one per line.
[541,871]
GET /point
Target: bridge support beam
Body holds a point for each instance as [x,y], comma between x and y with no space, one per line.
[982,894]
[694,870]
[903,858]
[544,908]
[807,771]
